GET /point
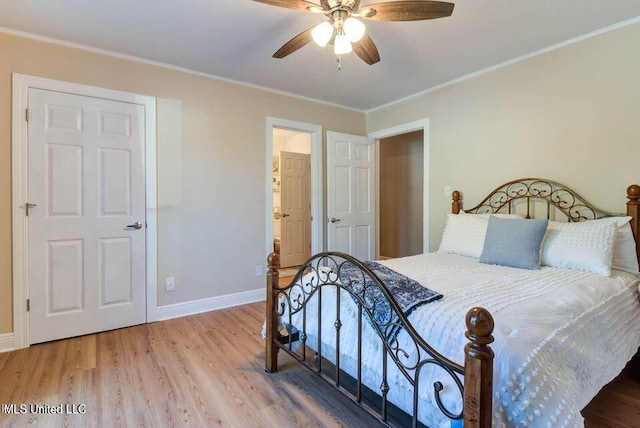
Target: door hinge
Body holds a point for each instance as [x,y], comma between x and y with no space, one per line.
[28,305]
[26,115]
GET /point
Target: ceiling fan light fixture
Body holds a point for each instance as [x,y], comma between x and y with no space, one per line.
[322,33]
[342,45]
[342,30]
[354,29]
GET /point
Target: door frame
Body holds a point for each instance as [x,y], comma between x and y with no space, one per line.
[21,85]
[418,125]
[315,131]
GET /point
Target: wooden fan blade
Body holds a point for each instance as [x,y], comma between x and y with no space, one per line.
[411,10]
[366,50]
[290,4]
[294,44]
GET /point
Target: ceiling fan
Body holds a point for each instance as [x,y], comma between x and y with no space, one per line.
[346,32]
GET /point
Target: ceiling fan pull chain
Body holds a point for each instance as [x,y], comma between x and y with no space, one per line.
[339,62]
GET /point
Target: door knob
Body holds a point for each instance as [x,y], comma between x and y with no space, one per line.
[334,220]
[28,206]
[285,215]
[136,225]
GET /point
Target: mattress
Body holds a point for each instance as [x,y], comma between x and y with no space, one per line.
[560,335]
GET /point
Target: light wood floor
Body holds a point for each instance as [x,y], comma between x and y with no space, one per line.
[201,371]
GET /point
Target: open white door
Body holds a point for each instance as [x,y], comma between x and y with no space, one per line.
[295,222]
[87,222]
[351,195]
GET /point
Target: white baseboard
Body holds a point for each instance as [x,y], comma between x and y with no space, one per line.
[209,304]
[6,342]
[179,310]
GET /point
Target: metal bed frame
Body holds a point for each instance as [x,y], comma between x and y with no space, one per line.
[476,385]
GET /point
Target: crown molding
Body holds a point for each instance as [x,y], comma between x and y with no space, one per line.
[134,58]
[515,60]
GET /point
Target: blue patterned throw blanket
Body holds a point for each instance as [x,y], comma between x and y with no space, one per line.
[408,293]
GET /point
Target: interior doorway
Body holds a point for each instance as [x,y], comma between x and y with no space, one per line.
[297,143]
[291,196]
[401,191]
[69,288]
[422,129]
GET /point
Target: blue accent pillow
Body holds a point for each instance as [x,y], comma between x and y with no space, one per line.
[513,242]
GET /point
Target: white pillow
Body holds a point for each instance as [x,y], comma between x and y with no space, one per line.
[499,215]
[624,250]
[464,235]
[586,245]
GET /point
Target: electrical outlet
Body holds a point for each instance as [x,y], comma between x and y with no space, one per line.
[170,284]
[447,190]
[259,270]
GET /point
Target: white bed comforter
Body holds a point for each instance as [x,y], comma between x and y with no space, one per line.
[560,335]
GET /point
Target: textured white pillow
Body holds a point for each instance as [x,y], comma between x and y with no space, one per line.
[624,250]
[586,245]
[464,235]
[499,215]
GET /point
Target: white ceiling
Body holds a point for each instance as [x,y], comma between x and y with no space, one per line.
[235,39]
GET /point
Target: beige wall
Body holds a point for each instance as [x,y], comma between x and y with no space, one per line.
[401,194]
[211,164]
[572,114]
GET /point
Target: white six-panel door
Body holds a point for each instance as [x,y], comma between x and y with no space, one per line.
[295,201]
[351,194]
[86,178]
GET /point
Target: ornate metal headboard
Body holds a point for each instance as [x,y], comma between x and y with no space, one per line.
[555,195]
